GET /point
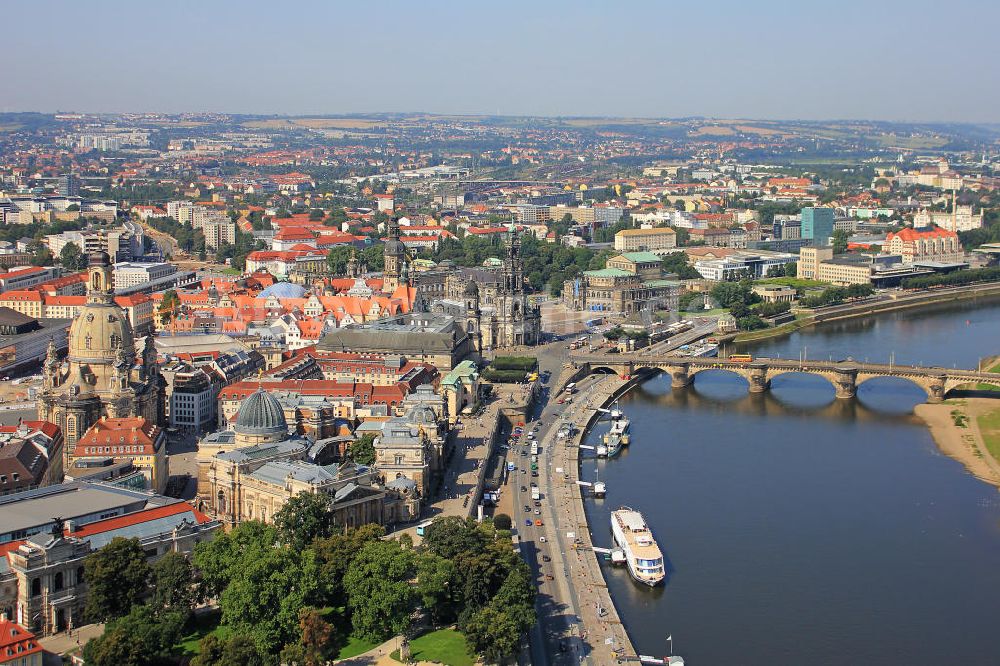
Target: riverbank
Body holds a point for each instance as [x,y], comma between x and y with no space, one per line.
[841,313]
[954,425]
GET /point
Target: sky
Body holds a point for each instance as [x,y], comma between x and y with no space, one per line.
[913,60]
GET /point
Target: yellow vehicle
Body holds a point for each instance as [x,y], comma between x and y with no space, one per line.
[741,358]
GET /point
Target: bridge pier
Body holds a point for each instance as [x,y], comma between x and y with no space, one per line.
[845,382]
[679,376]
[759,382]
[935,389]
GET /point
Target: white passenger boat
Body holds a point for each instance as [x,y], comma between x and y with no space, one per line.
[642,554]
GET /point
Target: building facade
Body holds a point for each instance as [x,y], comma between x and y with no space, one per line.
[102,375]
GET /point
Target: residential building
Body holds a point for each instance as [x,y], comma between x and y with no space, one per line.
[930,244]
[130,438]
[18,646]
[127,274]
[659,240]
[31,456]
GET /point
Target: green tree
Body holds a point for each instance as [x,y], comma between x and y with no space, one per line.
[71,257]
[334,555]
[217,561]
[839,241]
[169,305]
[337,259]
[41,256]
[336,218]
[117,578]
[373,257]
[363,449]
[303,518]
[677,262]
[315,215]
[378,590]
[266,593]
[451,535]
[438,584]
[173,583]
[791,269]
[234,651]
[493,633]
[141,638]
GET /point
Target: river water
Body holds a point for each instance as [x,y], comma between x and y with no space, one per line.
[800,529]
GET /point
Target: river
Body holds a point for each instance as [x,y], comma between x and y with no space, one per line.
[800,529]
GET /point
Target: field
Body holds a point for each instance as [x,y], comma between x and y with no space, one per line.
[354,647]
[445,646]
[910,142]
[989,428]
[313,123]
[205,624]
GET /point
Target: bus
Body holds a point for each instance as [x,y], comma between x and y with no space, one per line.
[741,358]
[571,388]
[422,527]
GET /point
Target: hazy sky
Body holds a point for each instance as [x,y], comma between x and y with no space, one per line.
[878,59]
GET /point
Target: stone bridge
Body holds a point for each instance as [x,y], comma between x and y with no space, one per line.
[845,376]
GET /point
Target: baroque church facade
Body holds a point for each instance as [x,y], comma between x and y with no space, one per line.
[103,375]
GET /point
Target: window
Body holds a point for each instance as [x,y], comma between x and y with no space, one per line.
[36,587]
[57,583]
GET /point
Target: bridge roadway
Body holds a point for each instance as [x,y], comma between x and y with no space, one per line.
[845,376]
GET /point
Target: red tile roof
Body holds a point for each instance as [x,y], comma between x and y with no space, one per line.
[137,518]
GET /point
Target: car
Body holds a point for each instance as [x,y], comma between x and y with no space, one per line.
[538,523]
[546,558]
[527,508]
[538,512]
[542,539]
[524,489]
[537,503]
[534,473]
[524,453]
[527,522]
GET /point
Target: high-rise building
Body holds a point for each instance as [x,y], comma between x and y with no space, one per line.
[68,185]
[817,225]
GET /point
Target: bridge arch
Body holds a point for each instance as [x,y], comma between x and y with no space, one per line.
[899,380]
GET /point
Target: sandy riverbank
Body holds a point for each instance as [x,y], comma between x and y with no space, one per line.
[963,442]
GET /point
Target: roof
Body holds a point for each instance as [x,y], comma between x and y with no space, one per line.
[607,272]
[642,257]
[646,232]
[16,642]
[910,234]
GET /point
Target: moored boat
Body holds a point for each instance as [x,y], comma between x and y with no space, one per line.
[642,554]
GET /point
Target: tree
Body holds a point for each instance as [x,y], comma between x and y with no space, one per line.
[363,449]
[502,521]
[839,241]
[117,577]
[451,535]
[173,583]
[334,555]
[303,518]
[217,561]
[378,590]
[267,592]
[316,214]
[337,217]
[73,208]
[234,651]
[677,262]
[41,256]
[314,636]
[140,638]
[337,259]
[438,584]
[71,257]
[791,269]
[493,633]
[169,305]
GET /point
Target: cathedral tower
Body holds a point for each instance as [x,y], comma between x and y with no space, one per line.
[394,253]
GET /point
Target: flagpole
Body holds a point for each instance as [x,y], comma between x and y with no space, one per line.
[670,639]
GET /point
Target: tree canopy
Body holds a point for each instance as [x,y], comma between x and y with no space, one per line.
[117,578]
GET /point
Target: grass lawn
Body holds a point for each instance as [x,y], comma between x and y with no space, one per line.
[989,428]
[446,646]
[232,271]
[354,647]
[205,624]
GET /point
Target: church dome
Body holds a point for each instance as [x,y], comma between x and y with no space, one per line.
[99,258]
[261,414]
[97,333]
[284,290]
[471,288]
